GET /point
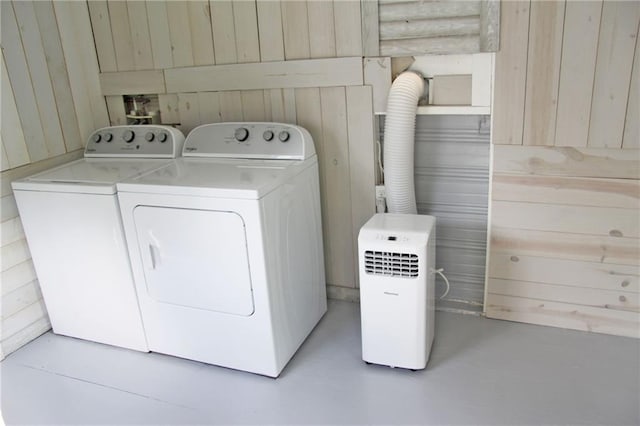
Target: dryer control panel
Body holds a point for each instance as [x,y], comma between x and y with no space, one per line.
[250,140]
[140,141]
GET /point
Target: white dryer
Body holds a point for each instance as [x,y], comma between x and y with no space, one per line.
[226,246]
[71,219]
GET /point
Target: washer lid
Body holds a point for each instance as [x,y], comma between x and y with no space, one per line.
[87,175]
[213,177]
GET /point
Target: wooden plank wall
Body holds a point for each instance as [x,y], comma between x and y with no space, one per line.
[50,101]
[565,197]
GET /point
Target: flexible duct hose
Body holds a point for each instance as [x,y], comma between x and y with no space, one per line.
[399,133]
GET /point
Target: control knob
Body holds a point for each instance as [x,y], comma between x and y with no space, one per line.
[96,138]
[268,135]
[241,134]
[162,137]
[128,136]
[108,137]
[149,136]
[283,136]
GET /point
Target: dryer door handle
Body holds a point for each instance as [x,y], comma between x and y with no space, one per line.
[154,255]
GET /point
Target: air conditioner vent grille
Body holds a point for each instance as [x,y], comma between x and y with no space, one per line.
[391,264]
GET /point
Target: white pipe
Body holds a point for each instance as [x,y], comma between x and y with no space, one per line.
[399,133]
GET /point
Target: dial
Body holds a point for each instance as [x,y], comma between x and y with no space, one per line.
[268,135]
[128,136]
[149,136]
[96,138]
[108,137]
[241,134]
[162,137]
[283,136]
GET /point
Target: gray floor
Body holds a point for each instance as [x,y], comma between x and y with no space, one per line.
[481,372]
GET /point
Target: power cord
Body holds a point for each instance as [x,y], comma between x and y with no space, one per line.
[446,281]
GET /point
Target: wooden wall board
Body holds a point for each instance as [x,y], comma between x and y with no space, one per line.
[253,105]
[567,161]
[58,73]
[209,107]
[15,253]
[246,25]
[268,115]
[434,45]
[270,30]
[231,106]
[266,75]
[482,79]
[565,315]
[189,109]
[577,68]
[160,37]
[543,72]
[295,29]
[423,28]
[621,193]
[121,33]
[116,108]
[201,33]
[13,137]
[4,160]
[20,298]
[15,323]
[322,40]
[14,342]
[224,33]
[181,47]
[348,28]
[370,28]
[101,24]
[17,276]
[169,111]
[562,272]
[132,83]
[9,208]
[616,44]
[377,74]
[510,74]
[427,10]
[11,231]
[612,221]
[631,135]
[140,35]
[490,25]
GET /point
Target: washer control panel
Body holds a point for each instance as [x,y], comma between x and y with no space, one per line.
[249,140]
[146,141]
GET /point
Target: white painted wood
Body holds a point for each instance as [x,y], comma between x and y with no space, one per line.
[121,33]
[564,315]
[209,107]
[181,47]
[362,143]
[14,254]
[20,298]
[348,28]
[432,65]
[201,32]
[482,79]
[290,114]
[621,193]
[18,73]
[189,109]
[17,322]
[631,135]
[269,75]
[224,33]
[616,44]
[17,276]
[434,45]
[562,272]
[579,49]
[270,30]
[246,26]
[295,29]
[4,160]
[510,74]
[268,116]
[9,208]
[322,34]
[573,162]
[335,161]
[101,25]
[489,25]
[276,103]
[13,137]
[453,110]
[423,28]
[132,83]
[253,105]
[59,75]
[451,90]
[160,36]
[116,108]
[140,35]
[370,28]
[427,10]
[38,69]
[11,231]
[24,336]
[169,111]
[231,106]
[377,74]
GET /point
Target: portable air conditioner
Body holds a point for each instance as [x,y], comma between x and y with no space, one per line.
[397,280]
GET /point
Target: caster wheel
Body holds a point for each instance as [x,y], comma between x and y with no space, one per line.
[367,362]
[412,369]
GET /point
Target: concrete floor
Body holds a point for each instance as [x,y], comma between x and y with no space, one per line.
[481,372]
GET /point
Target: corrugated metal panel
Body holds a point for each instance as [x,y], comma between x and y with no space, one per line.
[452,184]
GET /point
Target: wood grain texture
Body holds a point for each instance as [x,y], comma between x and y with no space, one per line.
[181,47]
[209,107]
[11,129]
[201,32]
[295,29]
[231,106]
[15,253]
[169,110]
[20,298]
[4,160]
[490,25]
[160,37]
[458,26]
[17,276]
[631,135]
[132,82]
[427,10]
[270,30]
[377,74]
[121,33]
[224,33]
[370,28]
[322,38]
[433,45]
[253,105]
[189,110]
[543,72]
[348,28]
[116,109]
[246,25]
[616,44]
[101,24]
[577,68]
[11,231]
[510,74]
[140,35]
[12,343]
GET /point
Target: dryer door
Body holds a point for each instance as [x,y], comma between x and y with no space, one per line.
[195,258]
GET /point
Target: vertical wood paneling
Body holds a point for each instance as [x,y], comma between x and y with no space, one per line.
[59,75]
[348,28]
[631,136]
[181,48]
[322,40]
[231,106]
[295,28]
[18,71]
[370,28]
[290,114]
[12,134]
[253,105]
[335,161]
[543,72]
[224,33]
[270,30]
[361,159]
[276,105]
[579,49]
[4,160]
[209,107]
[618,30]
[169,112]
[121,33]
[268,116]
[246,25]
[140,35]
[201,33]
[160,37]
[116,109]
[511,74]
[189,108]
[101,24]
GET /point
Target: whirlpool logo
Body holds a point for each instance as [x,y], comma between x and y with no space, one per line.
[190,149]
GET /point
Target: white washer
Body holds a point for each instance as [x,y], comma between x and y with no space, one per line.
[71,219]
[226,246]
